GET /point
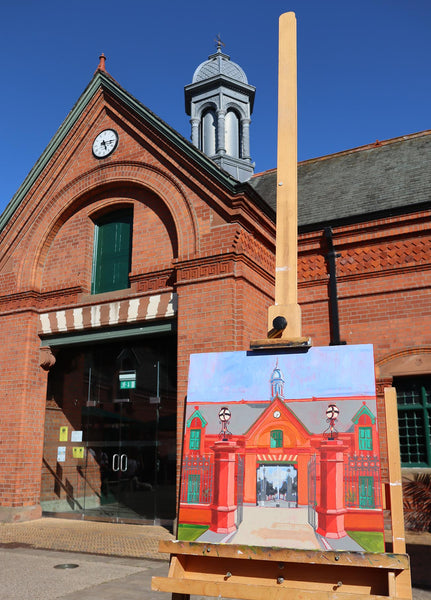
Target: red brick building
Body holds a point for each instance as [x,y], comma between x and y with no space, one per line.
[126,249]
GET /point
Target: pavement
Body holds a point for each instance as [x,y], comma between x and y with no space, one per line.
[64,559]
[109,539]
[34,574]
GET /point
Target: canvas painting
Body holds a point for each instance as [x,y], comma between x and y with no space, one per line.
[283,450]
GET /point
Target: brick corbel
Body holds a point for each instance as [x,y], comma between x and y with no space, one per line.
[46,358]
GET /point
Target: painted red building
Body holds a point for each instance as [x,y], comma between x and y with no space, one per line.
[283,453]
[127,248]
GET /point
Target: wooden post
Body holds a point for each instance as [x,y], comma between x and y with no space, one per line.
[400,585]
[286,301]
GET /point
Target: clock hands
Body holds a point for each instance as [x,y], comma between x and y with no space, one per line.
[105,143]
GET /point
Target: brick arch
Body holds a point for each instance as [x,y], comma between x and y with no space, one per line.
[411,361]
[139,180]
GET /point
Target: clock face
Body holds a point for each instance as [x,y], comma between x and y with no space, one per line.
[105,143]
[277,414]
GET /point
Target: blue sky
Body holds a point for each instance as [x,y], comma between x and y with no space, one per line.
[322,372]
[363,67]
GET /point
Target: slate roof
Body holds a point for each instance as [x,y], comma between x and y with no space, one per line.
[382,178]
[311,414]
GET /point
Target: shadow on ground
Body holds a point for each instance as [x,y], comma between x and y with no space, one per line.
[420,561]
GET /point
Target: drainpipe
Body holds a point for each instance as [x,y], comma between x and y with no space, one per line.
[334,321]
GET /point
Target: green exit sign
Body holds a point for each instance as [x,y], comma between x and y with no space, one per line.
[127,385]
[127,380]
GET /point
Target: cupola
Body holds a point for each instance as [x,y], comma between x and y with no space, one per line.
[220,101]
[277,383]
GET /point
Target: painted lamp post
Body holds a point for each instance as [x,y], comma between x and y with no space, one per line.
[223,508]
[332,413]
[224,416]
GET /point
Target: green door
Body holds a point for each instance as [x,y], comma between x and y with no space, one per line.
[194,484]
[366,492]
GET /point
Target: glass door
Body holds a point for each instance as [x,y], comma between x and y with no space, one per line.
[125,395]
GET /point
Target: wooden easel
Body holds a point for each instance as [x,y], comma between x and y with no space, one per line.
[265,573]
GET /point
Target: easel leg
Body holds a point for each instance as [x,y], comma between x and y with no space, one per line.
[399,585]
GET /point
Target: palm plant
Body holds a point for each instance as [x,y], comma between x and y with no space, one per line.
[417,502]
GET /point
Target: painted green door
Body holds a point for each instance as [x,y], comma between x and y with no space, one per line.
[366,492]
[113,242]
[193,489]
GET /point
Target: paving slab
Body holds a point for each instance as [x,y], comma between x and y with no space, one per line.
[110,539]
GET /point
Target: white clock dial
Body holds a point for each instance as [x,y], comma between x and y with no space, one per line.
[105,143]
[277,414]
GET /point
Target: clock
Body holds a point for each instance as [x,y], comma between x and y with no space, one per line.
[105,143]
[277,414]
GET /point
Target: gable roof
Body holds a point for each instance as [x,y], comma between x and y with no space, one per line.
[381,178]
[102,80]
[311,414]
[364,410]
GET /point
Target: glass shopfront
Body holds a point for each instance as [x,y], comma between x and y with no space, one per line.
[110,431]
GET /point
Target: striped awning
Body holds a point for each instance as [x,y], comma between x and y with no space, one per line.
[122,312]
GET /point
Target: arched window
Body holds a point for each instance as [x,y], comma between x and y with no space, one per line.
[112,252]
[208,132]
[232,134]
[276,438]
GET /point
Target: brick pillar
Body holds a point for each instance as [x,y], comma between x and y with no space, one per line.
[22,415]
[223,507]
[331,509]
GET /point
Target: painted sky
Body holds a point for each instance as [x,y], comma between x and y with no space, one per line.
[322,372]
[363,67]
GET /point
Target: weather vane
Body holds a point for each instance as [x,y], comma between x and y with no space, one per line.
[219,43]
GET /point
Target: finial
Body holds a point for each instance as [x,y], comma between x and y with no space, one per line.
[102,59]
[219,43]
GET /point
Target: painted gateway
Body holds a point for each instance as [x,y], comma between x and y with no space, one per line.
[286,470]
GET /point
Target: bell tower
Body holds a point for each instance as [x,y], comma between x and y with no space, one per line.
[220,102]
[277,383]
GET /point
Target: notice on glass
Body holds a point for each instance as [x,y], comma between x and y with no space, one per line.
[63,434]
[78,452]
[76,436]
[61,453]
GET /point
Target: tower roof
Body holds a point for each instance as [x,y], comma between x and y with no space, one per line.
[219,64]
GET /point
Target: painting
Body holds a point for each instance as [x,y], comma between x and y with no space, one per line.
[282,449]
